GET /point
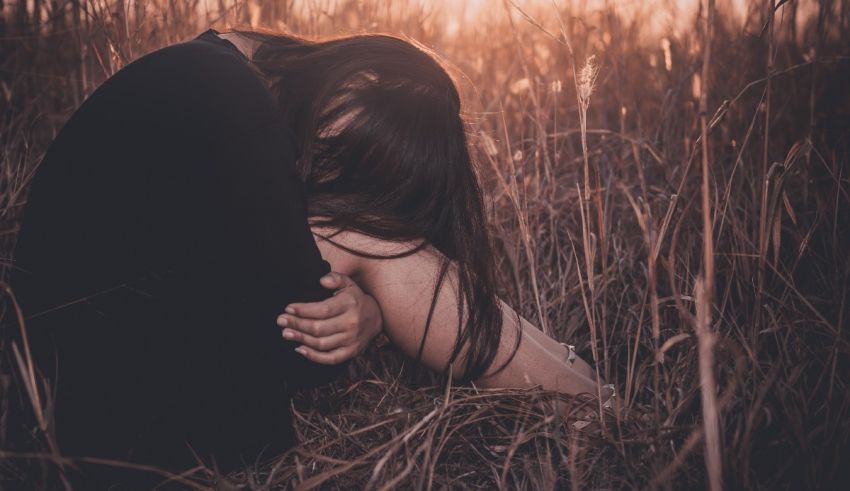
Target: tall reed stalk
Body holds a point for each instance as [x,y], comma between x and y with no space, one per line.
[709,281]
[705,283]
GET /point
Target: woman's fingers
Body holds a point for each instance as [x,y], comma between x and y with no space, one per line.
[319,343]
[315,327]
[326,357]
[335,329]
[329,307]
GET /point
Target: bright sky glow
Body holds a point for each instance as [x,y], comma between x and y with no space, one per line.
[658,15]
[655,18]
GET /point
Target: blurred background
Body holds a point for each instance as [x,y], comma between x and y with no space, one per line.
[667,184]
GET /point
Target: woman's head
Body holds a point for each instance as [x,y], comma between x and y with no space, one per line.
[382,150]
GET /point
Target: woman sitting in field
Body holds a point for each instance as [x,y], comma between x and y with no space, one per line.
[187,211]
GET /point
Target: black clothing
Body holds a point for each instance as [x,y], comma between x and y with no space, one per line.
[169,222]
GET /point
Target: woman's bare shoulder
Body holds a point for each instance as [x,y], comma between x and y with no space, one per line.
[347,251]
[360,241]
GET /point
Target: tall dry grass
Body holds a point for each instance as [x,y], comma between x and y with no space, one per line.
[681,218]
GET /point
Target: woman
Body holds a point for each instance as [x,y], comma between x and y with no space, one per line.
[170,224]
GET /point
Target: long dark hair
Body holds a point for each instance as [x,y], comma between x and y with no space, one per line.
[383,151]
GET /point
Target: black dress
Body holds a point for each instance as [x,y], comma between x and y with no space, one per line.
[164,232]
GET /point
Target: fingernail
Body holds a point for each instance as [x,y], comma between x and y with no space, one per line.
[287,334]
[281,321]
[300,350]
[289,310]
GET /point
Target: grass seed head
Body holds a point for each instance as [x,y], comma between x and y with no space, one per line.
[587,79]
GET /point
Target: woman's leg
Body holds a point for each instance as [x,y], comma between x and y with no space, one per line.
[185,352]
[190,358]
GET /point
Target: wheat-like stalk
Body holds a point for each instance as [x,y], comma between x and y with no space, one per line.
[732,364]
[587,81]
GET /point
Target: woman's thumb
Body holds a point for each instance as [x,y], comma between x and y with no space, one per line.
[335,281]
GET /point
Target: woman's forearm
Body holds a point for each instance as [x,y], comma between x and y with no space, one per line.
[540,360]
[403,287]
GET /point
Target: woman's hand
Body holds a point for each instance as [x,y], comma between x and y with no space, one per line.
[336,329]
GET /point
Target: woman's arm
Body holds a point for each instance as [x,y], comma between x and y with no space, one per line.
[540,360]
[404,287]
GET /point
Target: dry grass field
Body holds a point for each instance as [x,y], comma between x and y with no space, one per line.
[669,190]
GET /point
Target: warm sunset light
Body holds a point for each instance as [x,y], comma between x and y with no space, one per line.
[424,244]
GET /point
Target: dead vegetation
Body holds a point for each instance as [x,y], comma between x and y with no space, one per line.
[681,218]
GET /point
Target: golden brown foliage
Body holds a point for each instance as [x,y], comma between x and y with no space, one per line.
[688,223]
